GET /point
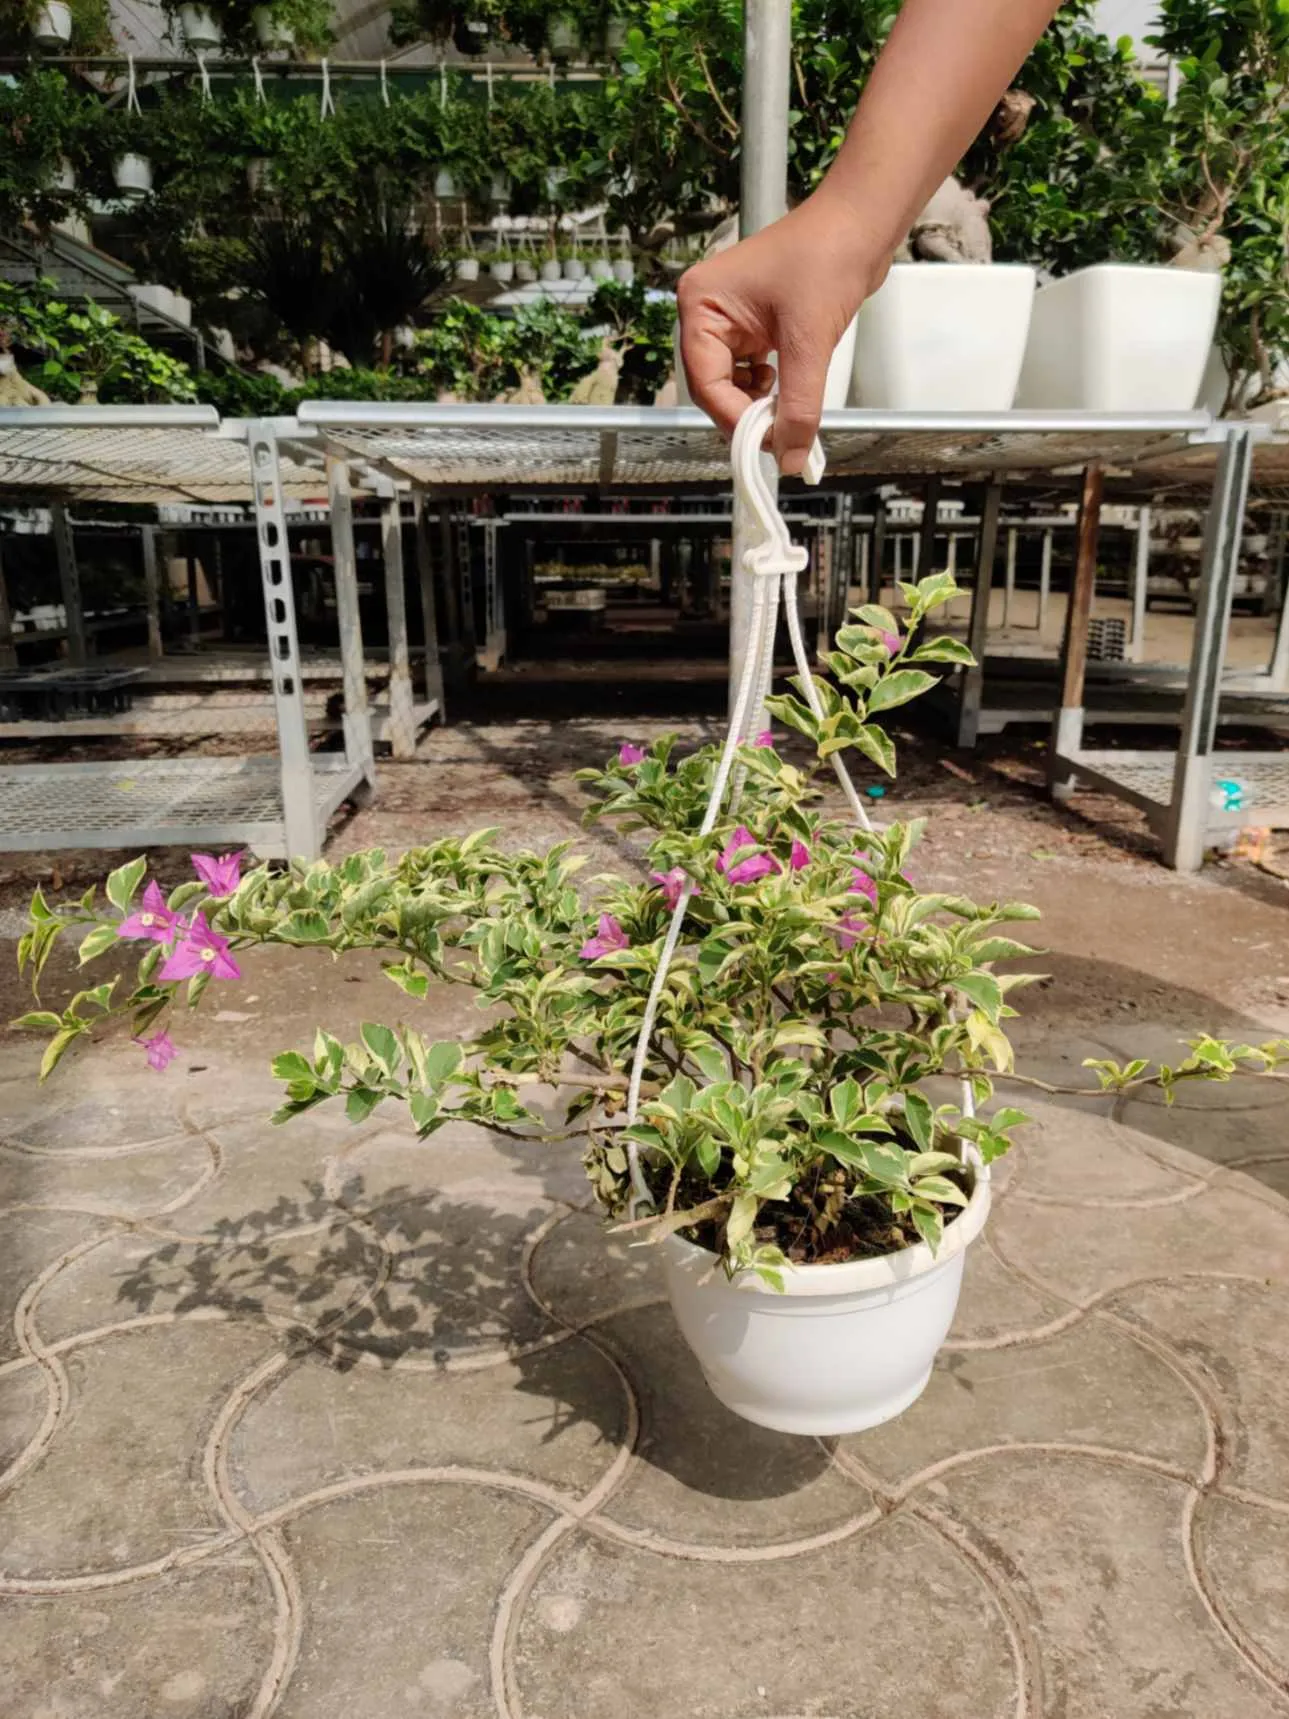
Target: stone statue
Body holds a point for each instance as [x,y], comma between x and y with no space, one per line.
[15,390]
[528,391]
[600,388]
[953,228]
[669,393]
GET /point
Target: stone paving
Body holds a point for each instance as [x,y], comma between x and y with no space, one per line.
[323,1424]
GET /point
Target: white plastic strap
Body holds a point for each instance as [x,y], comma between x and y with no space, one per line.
[384,86]
[204,75]
[487,72]
[443,84]
[131,87]
[258,75]
[326,106]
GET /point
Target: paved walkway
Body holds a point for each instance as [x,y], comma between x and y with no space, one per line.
[323,1424]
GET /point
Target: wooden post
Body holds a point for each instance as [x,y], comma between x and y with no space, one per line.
[152,592]
[433,676]
[1067,734]
[402,712]
[8,651]
[972,682]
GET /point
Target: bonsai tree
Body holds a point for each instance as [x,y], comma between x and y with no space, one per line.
[85,351]
[788,1112]
[388,267]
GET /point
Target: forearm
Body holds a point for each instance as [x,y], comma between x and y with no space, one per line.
[935,83]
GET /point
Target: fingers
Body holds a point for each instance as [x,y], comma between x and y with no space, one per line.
[803,371]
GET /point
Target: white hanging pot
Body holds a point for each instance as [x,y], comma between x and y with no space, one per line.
[502,269]
[1121,337]
[52,25]
[624,270]
[259,175]
[467,268]
[563,36]
[499,189]
[555,177]
[200,31]
[445,185]
[842,1347]
[615,37]
[944,337]
[574,269]
[132,175]
[525,270]
[63,177]
[551,269]
[601,269]
[269,32]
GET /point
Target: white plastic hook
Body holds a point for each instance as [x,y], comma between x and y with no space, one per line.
[772,549]
[443,83]
[131,87]
[326,106]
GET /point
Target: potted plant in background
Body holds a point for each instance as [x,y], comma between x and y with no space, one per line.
[51,25]
[564,37]
[811,1189]
[198,28]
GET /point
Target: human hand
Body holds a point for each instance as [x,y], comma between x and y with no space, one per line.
[790,289]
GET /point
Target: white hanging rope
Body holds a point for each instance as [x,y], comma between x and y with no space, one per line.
[443,84]
[131,87]
[384,86]
[258,75]
[326,106]
[773,562]
[204,75]
[487,72]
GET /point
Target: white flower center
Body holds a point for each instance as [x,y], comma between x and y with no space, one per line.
[147,919]
[208,954]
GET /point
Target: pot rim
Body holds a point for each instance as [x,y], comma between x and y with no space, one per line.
[1154,270]
[853,1275]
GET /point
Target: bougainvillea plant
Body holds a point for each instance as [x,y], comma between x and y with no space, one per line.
[791,1101]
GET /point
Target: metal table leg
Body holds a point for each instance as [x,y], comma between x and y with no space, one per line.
[402,709]
[1192,779]
[70,580]
[1067,732]
[357,720]
[971,683]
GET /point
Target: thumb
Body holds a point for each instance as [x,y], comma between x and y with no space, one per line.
[804,355]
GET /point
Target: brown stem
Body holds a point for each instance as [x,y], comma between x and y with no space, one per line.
[731,124]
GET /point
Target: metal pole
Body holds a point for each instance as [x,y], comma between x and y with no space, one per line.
[302,835]
[1067,736]
[402,713]
[433,675]
[1278,667]
[930,519]
[357,720]
[1192,777]
[971,685]
[70,580]
[763,198]
[1009,585]
[873,584]
[152,590]
[8,652]
[1140,572]
[1044,581]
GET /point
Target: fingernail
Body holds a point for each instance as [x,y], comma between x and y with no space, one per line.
[793,462]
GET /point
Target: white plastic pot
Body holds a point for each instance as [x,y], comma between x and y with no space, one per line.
[502,269]
[499,190]
[445,185]
[525,270]
[574,269]
[944,337]
[151,295]
[551,269]
[563,36]
[63,178]
[842,1348]
[1121,337]
[269,32]
[200,31]
[52,25]
[624,270]
[467,268]
[132,175]
[836,387]
[601,269]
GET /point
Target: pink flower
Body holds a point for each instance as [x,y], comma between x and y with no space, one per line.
[862,884]
[764,738]
[161,1050]
[849,930]
[629,754]
[750,869]
[894,644]
[800,858]
[153,920]
[202,951]
[671,883]
[221,876]
[609,938]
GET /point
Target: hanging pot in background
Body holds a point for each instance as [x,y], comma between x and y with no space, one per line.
[563,36]
[200,31]
[499,189]
[467,268]
[269,32]
[52,25]
[574,269]
[445,186]
[502,269]
[551,269]
[601,269]
[132,175]
[624,270]
[63,177]
[525,270]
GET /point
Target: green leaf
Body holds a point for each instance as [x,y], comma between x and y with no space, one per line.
[940,1189]
[707,1154]
[361,1102]
[943,651]
[984,991]
[932,1164]
[742,1218]
[382,1042]
[55,1049]
[98,942]
[1007,1118]
[919,1119]
[290,1065]
[710,1060]
[305,925]
[125,880]
[441,1062]
[929,1224]
[899,688]
[408,979]
[424,1108]
[846,1101]
[38,1021]
[875,743]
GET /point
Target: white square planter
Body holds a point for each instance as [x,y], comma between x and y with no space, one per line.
[836,386]
[1121,337]
[943,337]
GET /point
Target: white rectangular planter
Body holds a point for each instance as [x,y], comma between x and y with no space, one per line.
[1121,337]
[944,337]
[836,386]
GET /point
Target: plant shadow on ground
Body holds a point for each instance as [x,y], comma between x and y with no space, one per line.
[423,1279]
